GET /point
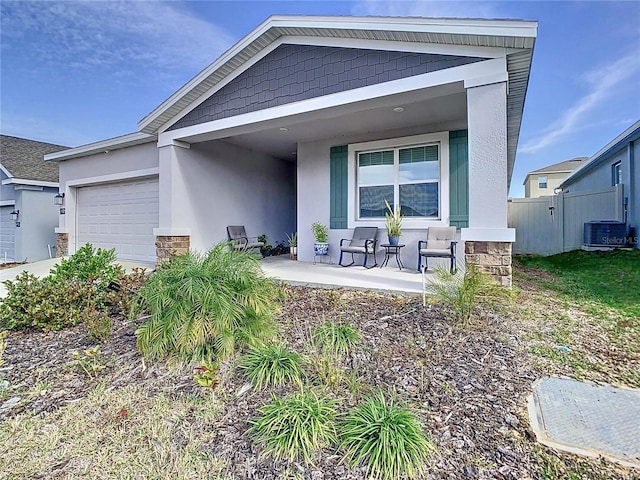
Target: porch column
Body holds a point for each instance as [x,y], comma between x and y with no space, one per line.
[488,239]
[173,235]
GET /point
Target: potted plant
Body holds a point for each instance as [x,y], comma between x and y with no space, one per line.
[321,234]
[293,245]
[394,223]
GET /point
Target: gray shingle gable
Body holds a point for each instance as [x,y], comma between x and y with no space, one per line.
[23,158]
[299,72]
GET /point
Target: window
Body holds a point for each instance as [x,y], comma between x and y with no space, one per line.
[542,181]
[616,174]
[405,176]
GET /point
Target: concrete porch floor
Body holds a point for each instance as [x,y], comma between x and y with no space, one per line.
[329,275]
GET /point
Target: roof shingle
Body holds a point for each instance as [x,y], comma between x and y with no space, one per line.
[23,158]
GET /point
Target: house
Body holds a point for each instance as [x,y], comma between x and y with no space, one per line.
[29,185]
[318,118]
[544,180]
[614,164]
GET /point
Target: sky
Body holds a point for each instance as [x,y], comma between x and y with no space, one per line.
[77,72]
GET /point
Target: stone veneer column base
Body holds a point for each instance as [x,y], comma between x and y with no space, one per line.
[62,244]
[171,246]
[491,257]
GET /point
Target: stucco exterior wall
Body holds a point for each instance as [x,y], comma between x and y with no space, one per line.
[229,185]
[487,156]
[600,177]
[313,172]
[111,166]
[38,220]
[114,162]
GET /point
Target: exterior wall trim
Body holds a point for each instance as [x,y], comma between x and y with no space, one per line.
[246,121]
[35,183]
[442,139]
[80,182]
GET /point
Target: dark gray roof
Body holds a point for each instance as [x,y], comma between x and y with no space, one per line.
[566,166]
[23,158]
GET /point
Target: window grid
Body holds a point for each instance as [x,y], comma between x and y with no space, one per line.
[396,157]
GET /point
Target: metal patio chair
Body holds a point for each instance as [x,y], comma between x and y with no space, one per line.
[240,241]
[441,243]
[364,242]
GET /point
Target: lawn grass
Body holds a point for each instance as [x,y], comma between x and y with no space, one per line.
[607,278]
[123,433]
[583,313]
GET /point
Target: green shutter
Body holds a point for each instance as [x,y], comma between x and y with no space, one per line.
[338,187]
[459,178]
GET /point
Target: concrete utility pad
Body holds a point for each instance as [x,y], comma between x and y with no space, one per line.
[587,419]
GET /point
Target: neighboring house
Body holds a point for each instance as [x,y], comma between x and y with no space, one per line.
[544,180]
[614,164]
[318,119]
[28,187]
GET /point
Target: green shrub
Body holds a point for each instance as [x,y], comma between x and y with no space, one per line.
[266,365]
[386,438]
[3,345]
[42,303]
[127,286]
[202,306]
[88,265]
[98,324]
[296,426]
[337,337]
[464,292]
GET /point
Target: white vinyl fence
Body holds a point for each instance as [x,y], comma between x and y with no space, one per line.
[555,224]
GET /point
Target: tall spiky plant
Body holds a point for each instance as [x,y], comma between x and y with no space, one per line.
[202,306]
[464,292]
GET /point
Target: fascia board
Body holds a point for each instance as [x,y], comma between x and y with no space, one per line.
[129,140]
[462,26]
[5,171]
[23,181]
[200,77]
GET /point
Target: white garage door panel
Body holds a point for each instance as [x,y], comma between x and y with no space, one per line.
[120,216]
[7,234]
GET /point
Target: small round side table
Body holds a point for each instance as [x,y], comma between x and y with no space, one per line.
[392,251]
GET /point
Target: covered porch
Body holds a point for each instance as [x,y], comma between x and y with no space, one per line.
[390,278]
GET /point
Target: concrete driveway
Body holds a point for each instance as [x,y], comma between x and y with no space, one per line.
[42,268]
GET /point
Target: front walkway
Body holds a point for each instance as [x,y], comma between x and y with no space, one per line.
[387,279]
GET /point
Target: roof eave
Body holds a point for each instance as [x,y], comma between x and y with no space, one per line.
[624,137]
[124,141]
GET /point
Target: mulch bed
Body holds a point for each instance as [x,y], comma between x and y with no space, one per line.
[468,386]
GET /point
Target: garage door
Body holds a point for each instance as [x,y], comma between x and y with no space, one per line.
[119,215]
[7,234]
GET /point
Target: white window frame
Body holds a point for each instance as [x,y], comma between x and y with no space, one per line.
[546,182]
[616,173]
[439,138]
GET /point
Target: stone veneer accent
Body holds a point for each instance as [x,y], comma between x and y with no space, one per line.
[491,257]
[62,244]
[171,246]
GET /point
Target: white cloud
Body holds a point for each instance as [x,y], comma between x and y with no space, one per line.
[603,83]
[113,35]
[418,8]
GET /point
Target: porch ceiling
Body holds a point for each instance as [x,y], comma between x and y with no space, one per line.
[442,105]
